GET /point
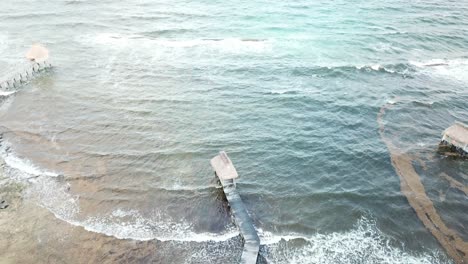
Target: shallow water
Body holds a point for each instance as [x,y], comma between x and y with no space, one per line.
[117,137]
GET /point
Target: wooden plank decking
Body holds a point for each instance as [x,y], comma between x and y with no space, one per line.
[227,174]
[38,56]
[457,136]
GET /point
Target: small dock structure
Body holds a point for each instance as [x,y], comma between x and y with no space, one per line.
[38,56]
[227,174]
[456,138]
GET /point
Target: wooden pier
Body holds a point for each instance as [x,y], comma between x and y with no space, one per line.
[456,138]
[37,55]
[227,174]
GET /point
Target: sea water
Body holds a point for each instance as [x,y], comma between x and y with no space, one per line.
[116,138]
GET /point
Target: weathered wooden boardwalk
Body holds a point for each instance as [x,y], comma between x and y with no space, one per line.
[38,56]
[457,136]
[227,174]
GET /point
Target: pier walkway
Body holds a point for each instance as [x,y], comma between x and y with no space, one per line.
[37,56]
[227,174]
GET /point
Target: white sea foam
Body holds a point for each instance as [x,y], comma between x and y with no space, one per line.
[6,93]
[136,42]
[54,196]
[53,193]
[363,244]
[455,69]
[124,224]
[132,225]
[375,67]
[25,168]
[43,185]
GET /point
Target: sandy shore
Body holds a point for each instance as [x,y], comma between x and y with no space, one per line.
[32,234]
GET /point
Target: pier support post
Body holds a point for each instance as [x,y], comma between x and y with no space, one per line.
[38,56]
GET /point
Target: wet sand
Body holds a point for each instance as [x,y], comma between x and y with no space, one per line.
[32,234]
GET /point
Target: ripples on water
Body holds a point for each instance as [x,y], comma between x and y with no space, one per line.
[117,137]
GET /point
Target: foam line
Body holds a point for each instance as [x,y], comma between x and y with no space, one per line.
[454,69]
[53,194]
[6,93]
[226,44]
[364,243]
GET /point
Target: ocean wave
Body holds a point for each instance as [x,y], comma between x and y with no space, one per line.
[118,41]
[25,168]
[454,69]
[6,93]
[363,244]
[44,186]
[178,187]
[55,196]
[292,92]
[389,68]
[53,193]
[398,69]
[130,224]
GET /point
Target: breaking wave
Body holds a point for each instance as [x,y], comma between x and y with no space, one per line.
[400,68]
[52,192]
[130,224]
[6,93]
[23,168]
[137,41]
[365,243]
[454,69]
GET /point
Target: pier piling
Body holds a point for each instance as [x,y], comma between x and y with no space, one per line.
[37,55]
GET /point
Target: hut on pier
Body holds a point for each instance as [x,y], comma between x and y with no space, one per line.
[455,139]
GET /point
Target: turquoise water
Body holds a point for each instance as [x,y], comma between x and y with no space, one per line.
[143,94]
